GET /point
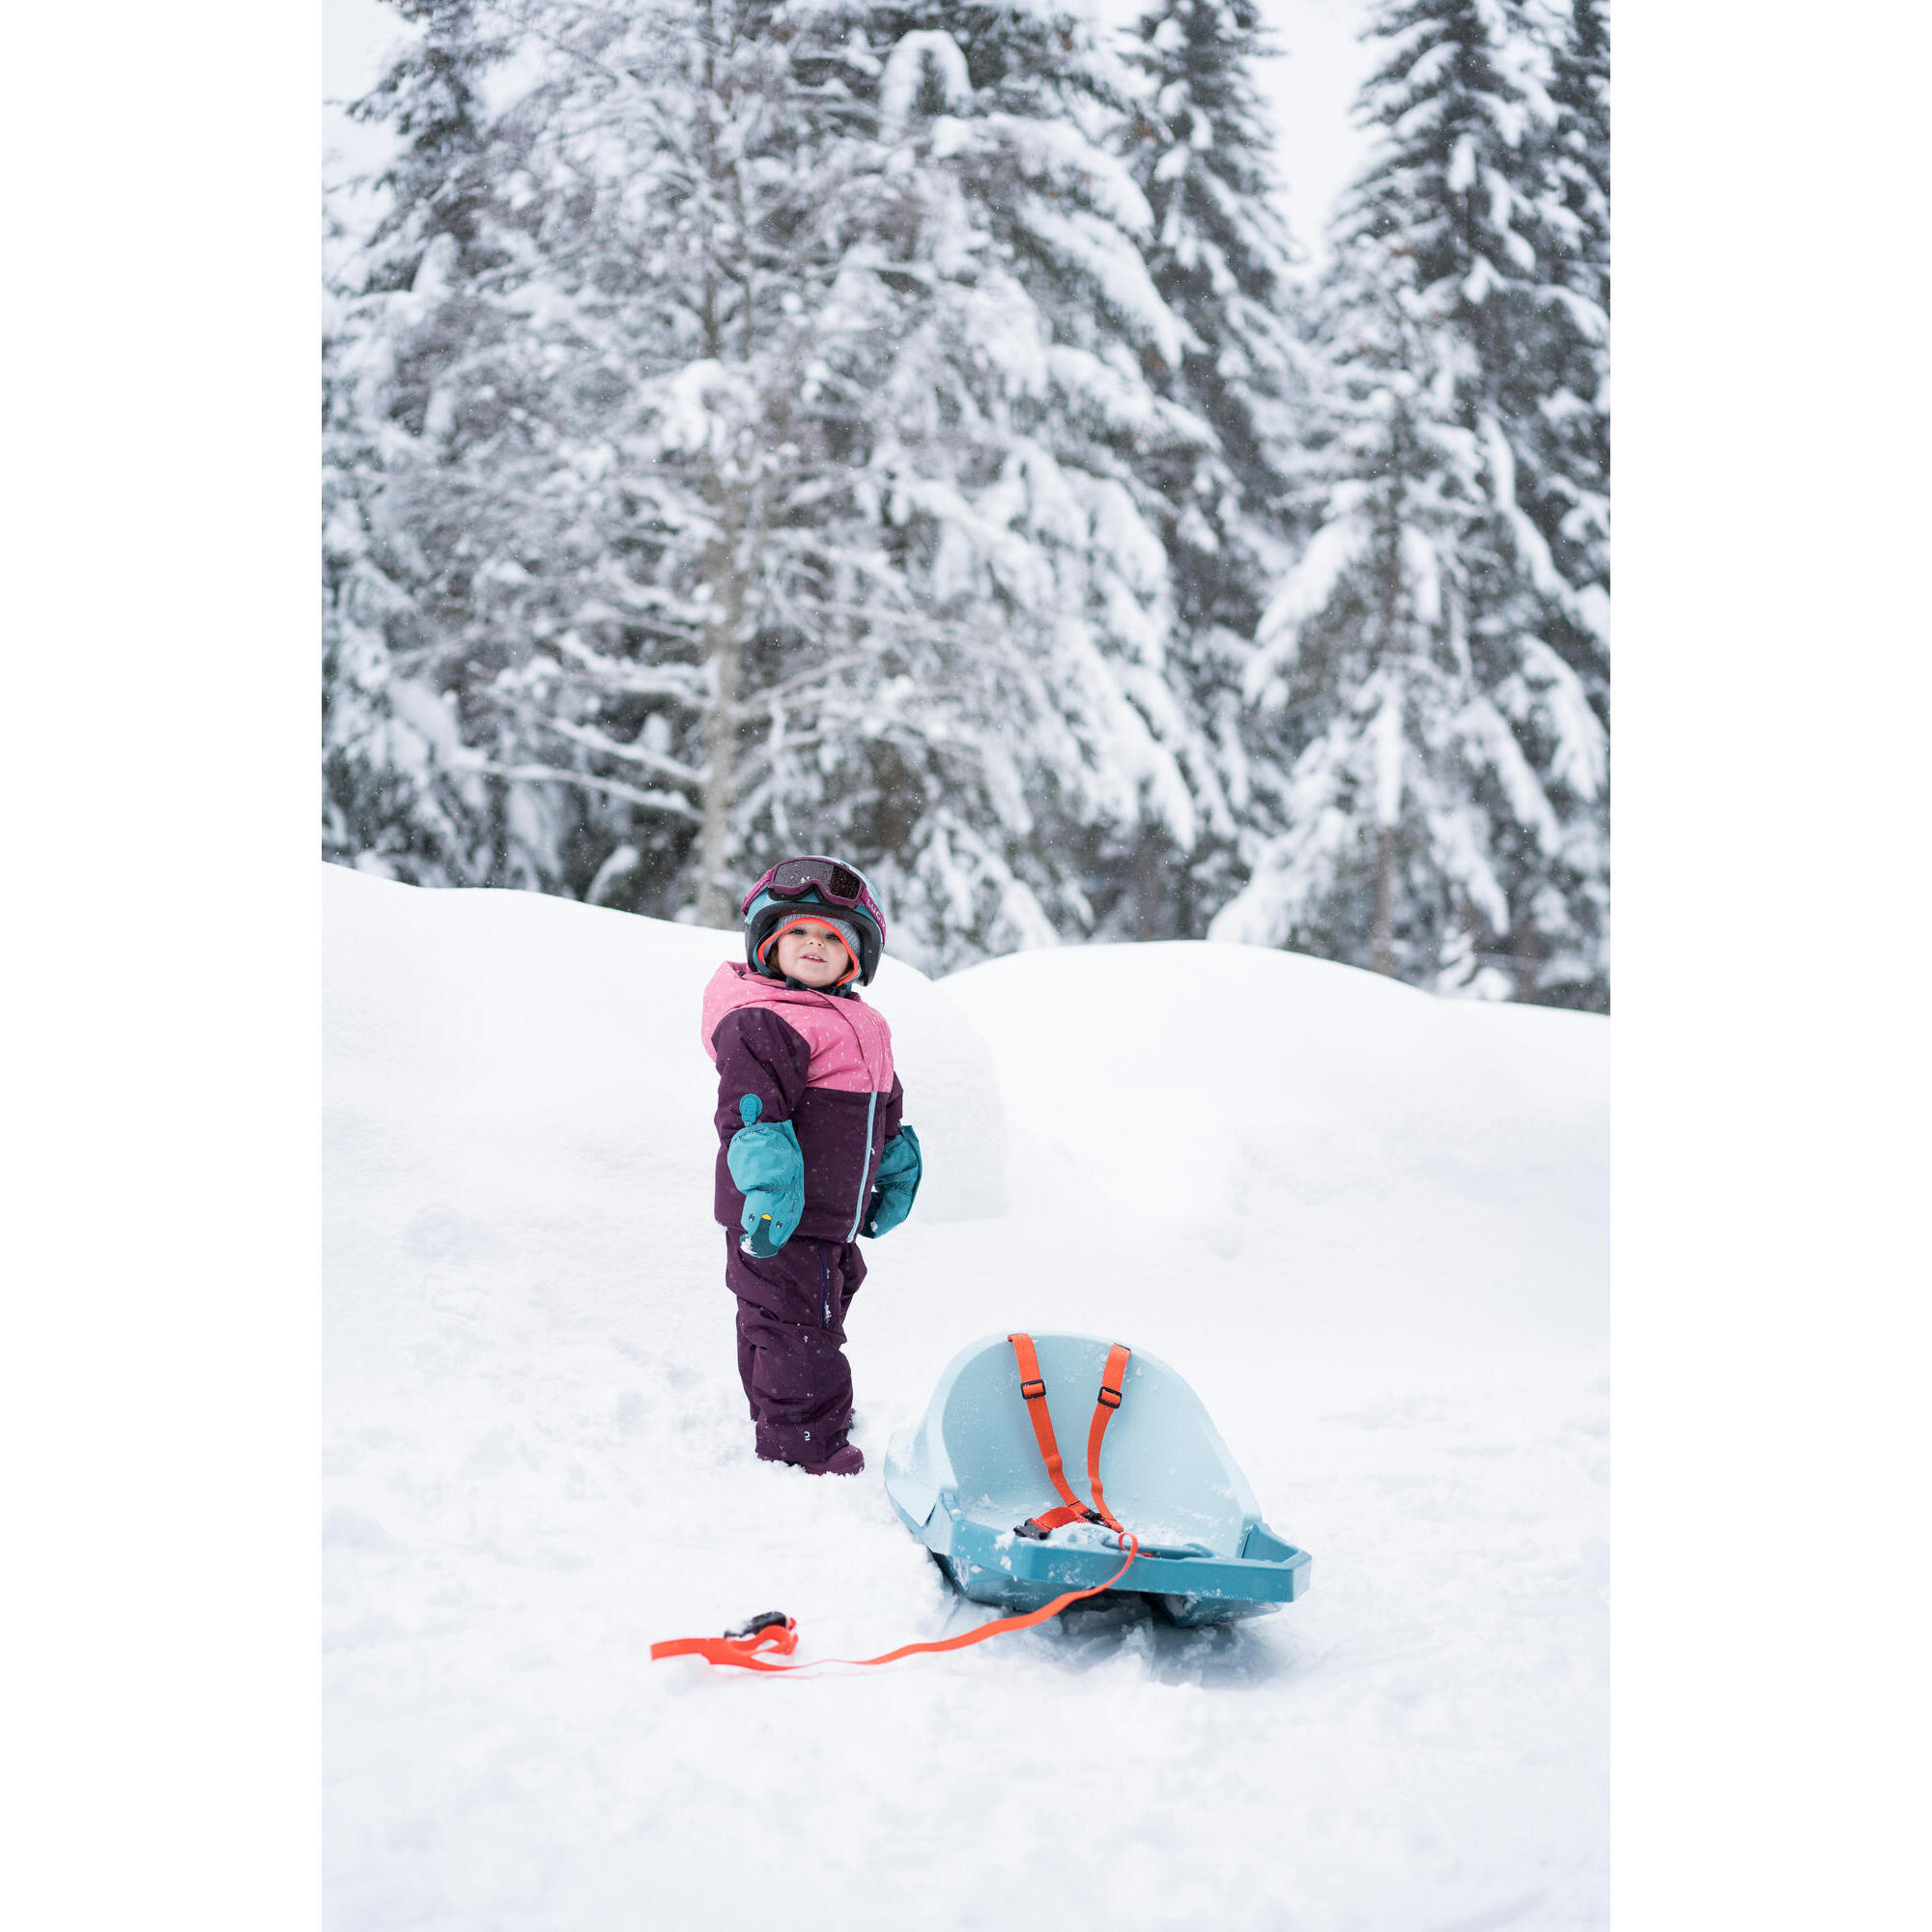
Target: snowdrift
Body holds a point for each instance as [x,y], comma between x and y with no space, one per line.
[1258,1111]
[1366,1226]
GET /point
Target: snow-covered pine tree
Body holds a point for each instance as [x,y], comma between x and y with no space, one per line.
[1202,150]
[775,416]
[615,231]
[1383,854]
[398,796]
[1446,775]
[1022,436]
[450,420]
[1568,499]
[388,802]
[1555,409]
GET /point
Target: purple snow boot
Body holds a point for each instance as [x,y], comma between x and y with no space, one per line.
[845,1462]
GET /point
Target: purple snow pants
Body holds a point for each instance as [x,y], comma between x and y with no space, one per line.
[791,1334]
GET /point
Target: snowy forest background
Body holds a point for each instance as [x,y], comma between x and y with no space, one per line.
[912,430]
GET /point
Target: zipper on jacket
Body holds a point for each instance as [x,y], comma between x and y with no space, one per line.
[872,1110]
[864,1169]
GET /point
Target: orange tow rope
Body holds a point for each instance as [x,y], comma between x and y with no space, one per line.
[742,1650]
[779,1633]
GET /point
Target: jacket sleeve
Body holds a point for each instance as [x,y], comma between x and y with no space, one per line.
[760,1055]
[762,1065]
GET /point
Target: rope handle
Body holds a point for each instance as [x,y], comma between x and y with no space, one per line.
[741,1649]
[773,1631]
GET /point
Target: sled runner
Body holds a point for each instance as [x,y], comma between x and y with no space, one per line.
[982,1484]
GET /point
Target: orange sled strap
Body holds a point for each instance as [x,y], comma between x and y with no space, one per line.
[1031,1386]
[776,1632]
[1108,1401]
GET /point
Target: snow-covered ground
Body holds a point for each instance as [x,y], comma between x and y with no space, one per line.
[1368,1226]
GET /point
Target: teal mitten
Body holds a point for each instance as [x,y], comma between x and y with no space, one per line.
[895,1183]
[767,1166]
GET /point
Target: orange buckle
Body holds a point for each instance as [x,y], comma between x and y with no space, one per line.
[1033,1391]
[1109,1397]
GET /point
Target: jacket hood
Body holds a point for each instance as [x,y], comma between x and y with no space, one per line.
[849,1041]
[736,984]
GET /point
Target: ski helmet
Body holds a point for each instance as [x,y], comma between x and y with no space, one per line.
[836,894]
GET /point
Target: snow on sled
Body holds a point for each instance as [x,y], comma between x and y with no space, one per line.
[973,1480]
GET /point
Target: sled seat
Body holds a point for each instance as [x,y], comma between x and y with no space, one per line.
[971,1473]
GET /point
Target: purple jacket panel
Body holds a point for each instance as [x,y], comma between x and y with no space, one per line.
[840,1134]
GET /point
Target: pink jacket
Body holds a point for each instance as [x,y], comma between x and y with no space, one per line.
[824,1063]
[851,1044]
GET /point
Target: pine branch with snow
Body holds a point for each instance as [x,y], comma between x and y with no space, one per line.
[1442,780]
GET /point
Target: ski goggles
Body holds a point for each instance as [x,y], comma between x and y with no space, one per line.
[835,884]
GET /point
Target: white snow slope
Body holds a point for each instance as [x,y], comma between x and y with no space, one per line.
[1368,1226]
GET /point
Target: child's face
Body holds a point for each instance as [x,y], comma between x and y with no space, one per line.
[812,953]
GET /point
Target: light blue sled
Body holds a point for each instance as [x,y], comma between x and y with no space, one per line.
[971,1472]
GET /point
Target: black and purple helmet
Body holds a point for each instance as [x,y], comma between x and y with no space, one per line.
[850,909]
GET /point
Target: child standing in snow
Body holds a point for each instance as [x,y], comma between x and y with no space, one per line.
[812,1152]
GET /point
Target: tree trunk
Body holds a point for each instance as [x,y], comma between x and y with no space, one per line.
[1382,944]
[724,645]
[1381,939]
[725,564]
[1528,956]
[1150,877]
